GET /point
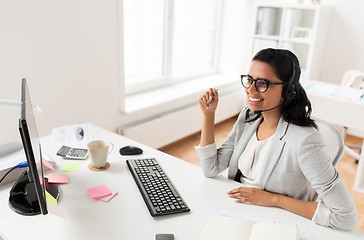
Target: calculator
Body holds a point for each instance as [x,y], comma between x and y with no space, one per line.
[73,153]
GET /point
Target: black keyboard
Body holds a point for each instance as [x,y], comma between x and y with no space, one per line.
[158,193]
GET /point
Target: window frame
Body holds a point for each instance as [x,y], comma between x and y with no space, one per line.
[166,80]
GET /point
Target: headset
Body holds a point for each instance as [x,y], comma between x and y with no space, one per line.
[291,93]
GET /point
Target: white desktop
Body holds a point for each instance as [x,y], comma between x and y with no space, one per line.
[126,215]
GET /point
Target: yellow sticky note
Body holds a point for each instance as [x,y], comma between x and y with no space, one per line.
[51,199]
[72,167]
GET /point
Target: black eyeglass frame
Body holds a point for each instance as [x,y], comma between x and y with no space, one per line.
[255,82]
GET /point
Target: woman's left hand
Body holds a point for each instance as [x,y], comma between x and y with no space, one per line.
[254,196]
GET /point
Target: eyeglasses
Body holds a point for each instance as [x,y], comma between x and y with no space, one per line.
[261,84]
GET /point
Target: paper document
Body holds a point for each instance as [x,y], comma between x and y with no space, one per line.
[223,227]
[304,233]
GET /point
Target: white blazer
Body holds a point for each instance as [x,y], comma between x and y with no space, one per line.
[298,162]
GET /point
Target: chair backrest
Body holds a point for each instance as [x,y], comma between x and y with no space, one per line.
[334,144]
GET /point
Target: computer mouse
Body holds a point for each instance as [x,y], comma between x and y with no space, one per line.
[130,150]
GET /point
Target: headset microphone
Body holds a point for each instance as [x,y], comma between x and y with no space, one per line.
[290,93]
[266,110]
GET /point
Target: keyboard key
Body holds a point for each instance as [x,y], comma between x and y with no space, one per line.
[158,192]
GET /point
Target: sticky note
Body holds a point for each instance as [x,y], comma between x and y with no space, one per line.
[47,164]
[99,192]
[55,210]
[108,198]
[51,199]
[71,167]
[58,178]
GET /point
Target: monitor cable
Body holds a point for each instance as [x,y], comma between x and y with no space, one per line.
[20,165]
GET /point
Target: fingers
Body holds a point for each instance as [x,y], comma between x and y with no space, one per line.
[204,99]
[210,96]
[242,194]
[238,190]
[216,94]
[243,200]
[237,193]
[213,95]
[253,196]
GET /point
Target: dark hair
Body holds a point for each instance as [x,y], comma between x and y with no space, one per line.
[296,107]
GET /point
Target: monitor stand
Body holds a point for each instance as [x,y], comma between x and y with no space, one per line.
[23,198]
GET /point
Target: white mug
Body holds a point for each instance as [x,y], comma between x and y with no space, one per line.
[98,152]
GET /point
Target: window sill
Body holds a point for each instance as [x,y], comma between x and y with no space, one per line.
[179,95]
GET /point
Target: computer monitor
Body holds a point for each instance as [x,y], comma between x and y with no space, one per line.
[27,196]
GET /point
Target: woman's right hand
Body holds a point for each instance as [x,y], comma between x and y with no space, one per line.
[203,100]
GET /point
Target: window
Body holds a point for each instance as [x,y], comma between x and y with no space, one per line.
[167,41]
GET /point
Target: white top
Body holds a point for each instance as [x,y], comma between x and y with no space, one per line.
[253,160]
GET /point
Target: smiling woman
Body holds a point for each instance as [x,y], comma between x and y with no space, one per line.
[259,99]
[274,137]
[182,149]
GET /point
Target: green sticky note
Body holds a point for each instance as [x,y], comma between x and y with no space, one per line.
[51,199]
[71,167]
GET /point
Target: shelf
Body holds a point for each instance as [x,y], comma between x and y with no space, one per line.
[268,21]
[267,37]
[297,40]
[300,28]
[303,6]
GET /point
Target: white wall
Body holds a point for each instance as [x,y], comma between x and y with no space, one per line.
[236,33]
[68,51]
[345,45]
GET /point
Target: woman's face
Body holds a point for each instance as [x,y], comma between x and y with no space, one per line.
[269,99]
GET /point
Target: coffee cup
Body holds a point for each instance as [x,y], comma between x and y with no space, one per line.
[99,150]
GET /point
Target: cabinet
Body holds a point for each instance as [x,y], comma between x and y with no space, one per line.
[301,28]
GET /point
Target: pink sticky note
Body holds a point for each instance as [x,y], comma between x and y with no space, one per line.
[58,178]
[47,164]
[99,192]
[108,198]
[55,210]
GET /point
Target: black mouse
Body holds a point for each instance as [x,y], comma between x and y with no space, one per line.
[130,150]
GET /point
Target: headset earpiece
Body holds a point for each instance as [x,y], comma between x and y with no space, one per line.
[291,95]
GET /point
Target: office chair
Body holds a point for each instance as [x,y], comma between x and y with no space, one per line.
[353,79]
[334,145]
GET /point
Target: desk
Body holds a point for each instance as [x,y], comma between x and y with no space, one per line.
[126,216]
[330,104]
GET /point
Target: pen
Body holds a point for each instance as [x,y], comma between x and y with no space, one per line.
[211,98]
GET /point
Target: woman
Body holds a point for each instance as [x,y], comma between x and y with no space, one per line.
[274,149]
